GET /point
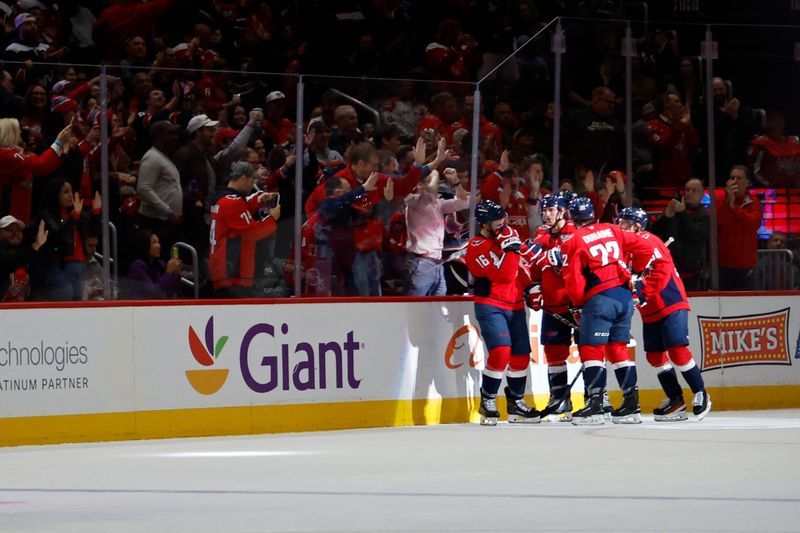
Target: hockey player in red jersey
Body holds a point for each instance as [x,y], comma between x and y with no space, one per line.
[235,233]
[555,336]
[665,314]
[598,285]
[493,259]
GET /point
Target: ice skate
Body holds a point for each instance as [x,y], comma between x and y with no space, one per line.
[518,411]
[701,404]
[559,409]
[671,410]
[629,412]
[592,413]
[607,407]
[488,411]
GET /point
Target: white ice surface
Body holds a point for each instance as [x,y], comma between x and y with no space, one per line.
[732,472]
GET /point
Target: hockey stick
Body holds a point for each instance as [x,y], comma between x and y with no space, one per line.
[649,266]
[550,409]
[555,407]
[568,323]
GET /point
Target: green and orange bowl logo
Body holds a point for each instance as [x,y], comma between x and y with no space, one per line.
[209,380]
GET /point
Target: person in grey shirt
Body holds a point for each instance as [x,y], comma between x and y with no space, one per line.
[159,187]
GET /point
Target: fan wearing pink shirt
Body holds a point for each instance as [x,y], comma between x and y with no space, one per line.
[425,213]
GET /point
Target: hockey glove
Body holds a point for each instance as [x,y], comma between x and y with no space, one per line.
[576,315]
[637,286]
[555,259]
[531,251]
[533,296]
[508,238]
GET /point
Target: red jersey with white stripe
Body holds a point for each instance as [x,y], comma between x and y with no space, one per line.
[593,260]
[499,277]
[554,292]
[663,289]
[233,237]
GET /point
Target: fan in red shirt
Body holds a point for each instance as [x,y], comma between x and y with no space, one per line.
[235,233]
[739,217]
[486,127]
[598,283]
[665,314]
[674,140]
[505,187]
[495,259]
[774,156]
[18,168]
[443,118]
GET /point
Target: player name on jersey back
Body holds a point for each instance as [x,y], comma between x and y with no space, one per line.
[597,235]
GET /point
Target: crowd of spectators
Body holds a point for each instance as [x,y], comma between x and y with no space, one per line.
[202,149]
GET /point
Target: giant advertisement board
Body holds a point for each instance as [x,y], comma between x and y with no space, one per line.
[89,360]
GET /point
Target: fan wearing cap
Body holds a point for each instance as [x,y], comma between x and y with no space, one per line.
[196,167]
[20,168]
[28,43]
[198,162]
[15,258]
[235,233]
[277,127]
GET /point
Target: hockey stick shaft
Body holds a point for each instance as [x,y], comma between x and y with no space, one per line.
[563,320]
[547,412]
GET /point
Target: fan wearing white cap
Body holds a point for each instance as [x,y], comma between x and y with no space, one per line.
[196,168]
[277,127]
[201,121]
[15,257]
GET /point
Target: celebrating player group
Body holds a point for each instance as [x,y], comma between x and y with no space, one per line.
[586,278]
